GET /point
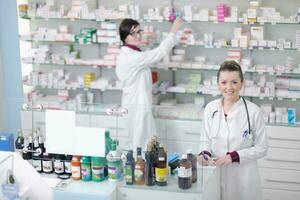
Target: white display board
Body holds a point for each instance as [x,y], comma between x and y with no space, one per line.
[64,137]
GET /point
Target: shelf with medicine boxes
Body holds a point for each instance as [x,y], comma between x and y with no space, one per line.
[246,38]
[264,36]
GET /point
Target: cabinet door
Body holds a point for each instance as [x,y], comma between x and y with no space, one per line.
[181,147]
[281,158]
[161,128]
[269,194]
[183,130]
[280,179]
[150,194]
[283,136]
[115,127]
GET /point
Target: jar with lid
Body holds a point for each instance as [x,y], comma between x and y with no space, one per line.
[59,164]
[47,163]
[98,164]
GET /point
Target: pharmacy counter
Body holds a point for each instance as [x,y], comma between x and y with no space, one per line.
[78,190]
[205,189]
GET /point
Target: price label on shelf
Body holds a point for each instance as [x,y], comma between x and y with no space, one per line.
[260,48]
[281,49]
[273,23]
[271,72]
[271,98]
[279,73]
[273,49]
[262,23]
[294,99]
[261,97]
[216,22]
[109,67]
[280,98]
[260,72]
[94,66]
[174,69]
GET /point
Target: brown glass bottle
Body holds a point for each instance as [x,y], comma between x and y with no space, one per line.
[191,157]
[184,173]
[139,170]
[161,169]
[149,170]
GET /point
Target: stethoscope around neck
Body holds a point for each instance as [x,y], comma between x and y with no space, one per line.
[248,132]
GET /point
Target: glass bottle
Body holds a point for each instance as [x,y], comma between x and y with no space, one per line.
[149,172]
[139,169]
[184,173]
[193,159]
[129,168]
[161,170]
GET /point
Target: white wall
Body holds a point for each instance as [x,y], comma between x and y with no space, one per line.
[1,94]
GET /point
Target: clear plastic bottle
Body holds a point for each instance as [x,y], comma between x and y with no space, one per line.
[114,164]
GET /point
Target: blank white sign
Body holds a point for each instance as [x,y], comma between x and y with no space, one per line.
[63,137]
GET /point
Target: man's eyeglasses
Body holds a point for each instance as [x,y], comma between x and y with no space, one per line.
[134,33]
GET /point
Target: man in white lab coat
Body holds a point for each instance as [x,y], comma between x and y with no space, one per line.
[233,137]
[133,70]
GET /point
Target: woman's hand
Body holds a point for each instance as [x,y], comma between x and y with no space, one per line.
[177,24]
[204,160]
[223,161]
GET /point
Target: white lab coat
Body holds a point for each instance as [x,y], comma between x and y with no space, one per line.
[239,181]
[133,70]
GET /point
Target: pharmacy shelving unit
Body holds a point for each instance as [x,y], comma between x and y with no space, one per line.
[180,128]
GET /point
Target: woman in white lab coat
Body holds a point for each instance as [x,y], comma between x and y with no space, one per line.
[234,137]
[133,70]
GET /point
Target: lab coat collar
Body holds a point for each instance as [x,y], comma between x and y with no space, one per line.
[132,47]
[234,106]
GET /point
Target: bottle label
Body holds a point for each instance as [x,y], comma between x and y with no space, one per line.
[98,172]
[184,172]
[161,158]
[75,171]
[47,166]
[58,167]
[161,174]
[128,174]
[86,172]
[114,170]
[138,175]
[68,167]
[37,164]
[36,143]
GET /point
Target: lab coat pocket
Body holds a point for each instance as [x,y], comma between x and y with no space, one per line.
[246,141]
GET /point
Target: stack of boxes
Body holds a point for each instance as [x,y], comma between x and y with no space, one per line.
[297,45]
[222,12]
[85,36]
[107,33]
[88,79]
[252,12]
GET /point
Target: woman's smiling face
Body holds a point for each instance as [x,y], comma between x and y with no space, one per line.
[230,84]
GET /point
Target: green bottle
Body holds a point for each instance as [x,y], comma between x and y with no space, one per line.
[98,165]
[86,168]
